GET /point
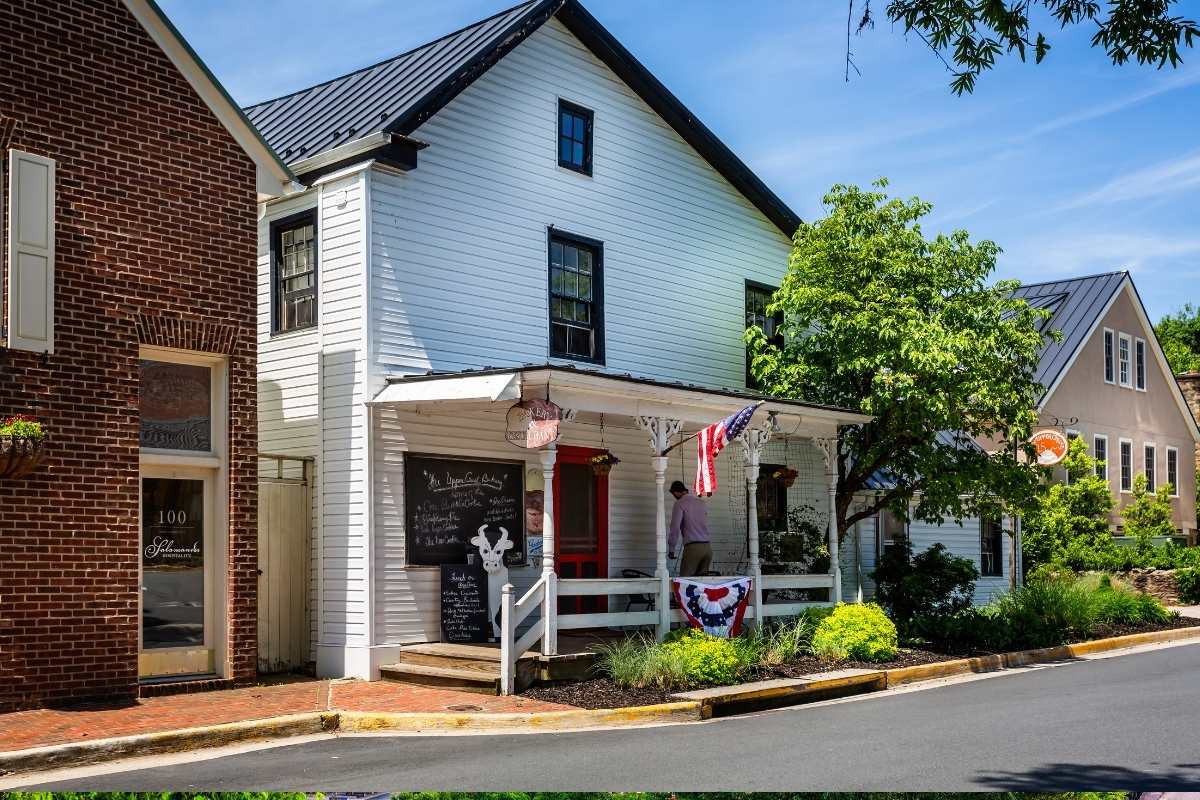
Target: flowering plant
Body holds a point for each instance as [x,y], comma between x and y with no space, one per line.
[605,458]
[22,425]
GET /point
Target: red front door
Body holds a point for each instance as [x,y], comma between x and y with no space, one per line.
[580,525]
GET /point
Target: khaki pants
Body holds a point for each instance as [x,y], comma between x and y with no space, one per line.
[696,559]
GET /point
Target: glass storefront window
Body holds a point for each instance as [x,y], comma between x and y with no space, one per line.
[176,406]
[172,563]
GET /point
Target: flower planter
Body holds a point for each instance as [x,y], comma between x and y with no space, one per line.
[787,482]
[20,456]
[601,469]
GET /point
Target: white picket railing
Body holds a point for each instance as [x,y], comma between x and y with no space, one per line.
[544,594]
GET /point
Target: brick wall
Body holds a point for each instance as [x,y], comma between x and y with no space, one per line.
[155,243]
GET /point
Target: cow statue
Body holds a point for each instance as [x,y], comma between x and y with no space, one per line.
[493,564]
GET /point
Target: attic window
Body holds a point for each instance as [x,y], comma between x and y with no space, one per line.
[574,137]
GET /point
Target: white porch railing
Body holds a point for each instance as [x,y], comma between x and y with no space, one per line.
[512,614]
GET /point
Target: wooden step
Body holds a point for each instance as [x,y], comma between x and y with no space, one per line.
[462,680]
[471,652]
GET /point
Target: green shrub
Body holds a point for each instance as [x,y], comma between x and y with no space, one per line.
[859,632]
[1048,612]
[1114,604]
[929,584]
[708,660]
[1189,584]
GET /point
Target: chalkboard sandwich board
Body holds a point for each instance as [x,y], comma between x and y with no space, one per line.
[446,501]
[465,615]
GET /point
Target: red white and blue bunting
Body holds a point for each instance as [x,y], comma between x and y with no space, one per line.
[716,609]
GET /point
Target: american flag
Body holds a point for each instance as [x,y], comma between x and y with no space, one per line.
[711,441]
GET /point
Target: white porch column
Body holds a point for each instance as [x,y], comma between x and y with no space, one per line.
[829,447]
[550,604]
[660,431]
[753,440]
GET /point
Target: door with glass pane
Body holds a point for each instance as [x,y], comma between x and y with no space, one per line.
[580,525]
[177,574]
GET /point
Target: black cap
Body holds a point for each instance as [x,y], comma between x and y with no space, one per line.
[678,486]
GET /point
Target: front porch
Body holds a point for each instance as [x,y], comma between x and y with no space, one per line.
[627,584]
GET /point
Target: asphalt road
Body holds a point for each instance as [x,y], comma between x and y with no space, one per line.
[1130,722]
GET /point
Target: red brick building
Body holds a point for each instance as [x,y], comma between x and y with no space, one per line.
[130,181]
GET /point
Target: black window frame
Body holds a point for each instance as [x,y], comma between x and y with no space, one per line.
[1139,364]
[1125,451]
[1150,466]
[1101,455]
[597,302]
[991,548]
[754,287]
[1110,356]
[589,118]
[277,228]
[1173,470]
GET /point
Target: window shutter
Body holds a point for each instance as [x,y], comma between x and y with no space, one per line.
[30,252]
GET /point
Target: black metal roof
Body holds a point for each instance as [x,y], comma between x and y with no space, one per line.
[1076,304]
[399,94]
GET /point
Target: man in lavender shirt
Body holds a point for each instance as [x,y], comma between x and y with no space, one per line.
[689,522]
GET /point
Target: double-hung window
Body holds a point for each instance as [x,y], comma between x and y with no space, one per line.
[1126,465]
[1124,346]
[1139,364]
[574,137]
[1173,470]
[991,547]
[1101,451]
[758,297]
[1109,355]
[892,531]
[576,299]
[1150,467]
[294,272]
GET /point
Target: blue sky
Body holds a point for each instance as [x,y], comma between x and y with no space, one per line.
[1073,166]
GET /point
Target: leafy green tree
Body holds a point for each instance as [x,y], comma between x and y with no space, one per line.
[969,35]
[1068,523]
[1148,514]
[1179,334]
[881,320]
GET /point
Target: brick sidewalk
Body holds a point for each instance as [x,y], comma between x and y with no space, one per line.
[23,729]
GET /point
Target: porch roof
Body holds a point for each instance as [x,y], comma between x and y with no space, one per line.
[598,391]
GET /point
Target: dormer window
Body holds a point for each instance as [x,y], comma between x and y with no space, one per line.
[574,137]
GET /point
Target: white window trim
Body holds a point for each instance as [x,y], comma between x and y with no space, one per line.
[1150,445]
[1174,483]
[1100,437]
[1127,383]
[1071,433]
[1145,364]
[1121,464]
[1109,336]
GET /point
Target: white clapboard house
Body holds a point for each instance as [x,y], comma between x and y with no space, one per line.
[519,211]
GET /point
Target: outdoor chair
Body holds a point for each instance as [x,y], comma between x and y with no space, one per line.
[643,599]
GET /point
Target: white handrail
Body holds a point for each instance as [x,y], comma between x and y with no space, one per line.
[512,614]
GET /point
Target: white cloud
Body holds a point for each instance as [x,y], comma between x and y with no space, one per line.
[1174,175]
[1088,252]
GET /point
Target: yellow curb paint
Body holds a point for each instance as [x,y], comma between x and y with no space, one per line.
[1020,658]
[362,721]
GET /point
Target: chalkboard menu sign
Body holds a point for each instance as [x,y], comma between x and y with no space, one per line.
[446,501]
[465,615]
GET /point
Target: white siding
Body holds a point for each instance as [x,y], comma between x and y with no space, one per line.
[460,244]
[288,406]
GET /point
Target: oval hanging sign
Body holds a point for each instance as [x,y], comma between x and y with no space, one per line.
[1050,447]
[533,423]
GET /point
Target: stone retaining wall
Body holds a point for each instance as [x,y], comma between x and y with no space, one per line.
[1160,583]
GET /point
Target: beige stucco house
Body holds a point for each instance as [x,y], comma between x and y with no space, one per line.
[1108,382]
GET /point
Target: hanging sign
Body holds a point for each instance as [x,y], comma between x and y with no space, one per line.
[532,424]
[1050,446]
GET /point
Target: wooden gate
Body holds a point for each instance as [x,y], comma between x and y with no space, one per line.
[284,547]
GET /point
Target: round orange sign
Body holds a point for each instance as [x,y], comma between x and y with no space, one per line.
[1050,446]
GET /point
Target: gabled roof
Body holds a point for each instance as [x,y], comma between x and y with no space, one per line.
[273,176]
[1077,304]
[397,95]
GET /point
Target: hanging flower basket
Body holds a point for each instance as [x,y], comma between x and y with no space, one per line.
[786,476]
[602,463]
[22,446]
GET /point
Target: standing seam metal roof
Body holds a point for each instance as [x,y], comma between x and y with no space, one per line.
[1077,304]
[399,94]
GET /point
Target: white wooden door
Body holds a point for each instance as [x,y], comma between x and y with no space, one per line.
[284,525]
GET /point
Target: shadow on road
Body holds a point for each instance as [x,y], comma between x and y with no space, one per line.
[1093,777]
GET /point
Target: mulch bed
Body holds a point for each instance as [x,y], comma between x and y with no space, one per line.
[604,693]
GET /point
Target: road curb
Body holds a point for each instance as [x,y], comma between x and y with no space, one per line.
[1022,658]
[78,754]
[725,701]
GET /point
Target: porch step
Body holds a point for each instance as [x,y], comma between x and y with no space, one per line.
[464,667]
[462,680]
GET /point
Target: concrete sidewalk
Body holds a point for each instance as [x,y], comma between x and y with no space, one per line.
[21,730]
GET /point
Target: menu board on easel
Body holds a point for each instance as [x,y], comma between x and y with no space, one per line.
[464,603]
[447,500]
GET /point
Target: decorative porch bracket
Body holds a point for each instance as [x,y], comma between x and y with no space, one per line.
[829,452]
[752,440]
[660,431]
